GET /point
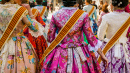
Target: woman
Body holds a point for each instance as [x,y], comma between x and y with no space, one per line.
[104,11]
[17,55]
[40,7]
[89,8]
[118,59]
[36,39]
[66,57]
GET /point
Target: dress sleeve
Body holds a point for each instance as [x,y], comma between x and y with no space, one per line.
[52,30]
[32,25]
[94,44]
[102,29]
[39,19]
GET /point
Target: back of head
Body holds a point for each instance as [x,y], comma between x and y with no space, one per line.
[104,8]
[32,4]
[25,1]
[120,3]
[69,3]
[89,1]
[4,1]
[39,2]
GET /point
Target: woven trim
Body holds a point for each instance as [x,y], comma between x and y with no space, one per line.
[91,11]
[12,24]
[63,32]
[114,39]
[34,12]
[43,10]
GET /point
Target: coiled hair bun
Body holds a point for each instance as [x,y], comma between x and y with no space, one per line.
[120,3]
[68,3]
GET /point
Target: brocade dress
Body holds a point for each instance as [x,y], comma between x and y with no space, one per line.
[72,55]
[17,54]
[118,59]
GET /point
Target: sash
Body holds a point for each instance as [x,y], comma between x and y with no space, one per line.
[12,24]
[114,39]
[43,10]
[63,32]
[35,12]
[85,39]
[91,11]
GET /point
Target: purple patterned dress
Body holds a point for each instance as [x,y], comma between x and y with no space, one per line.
[72,55]
[118,55]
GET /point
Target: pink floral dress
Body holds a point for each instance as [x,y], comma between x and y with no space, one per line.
[72,55]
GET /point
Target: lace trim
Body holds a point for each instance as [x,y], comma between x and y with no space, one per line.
[40,30]
[96,47]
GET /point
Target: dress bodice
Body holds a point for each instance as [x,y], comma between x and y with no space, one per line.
[74,37]
[7,11]
[111,22]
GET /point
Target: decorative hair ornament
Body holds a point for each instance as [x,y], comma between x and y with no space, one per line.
[119,3]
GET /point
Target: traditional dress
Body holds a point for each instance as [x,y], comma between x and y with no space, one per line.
[72,55]
[94,26]
[37,39]
[17,54]
[40,8]
[118,54]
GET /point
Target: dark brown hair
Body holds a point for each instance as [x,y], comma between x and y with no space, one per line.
[89,1]
[120,3]
[104,8]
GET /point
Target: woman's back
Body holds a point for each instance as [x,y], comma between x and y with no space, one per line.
[111,23]
[7,11]
[75,35]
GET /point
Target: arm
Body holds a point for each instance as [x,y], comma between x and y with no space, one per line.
[39,19]
[52,31]
[30,24]
[94,43]
[88,32]
[102,29]
[27,6]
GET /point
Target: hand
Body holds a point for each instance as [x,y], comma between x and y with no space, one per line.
[105,61]
[27,6]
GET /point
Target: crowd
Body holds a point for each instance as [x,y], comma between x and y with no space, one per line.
[76,40]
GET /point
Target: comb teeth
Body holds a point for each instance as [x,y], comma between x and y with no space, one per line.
[11,26]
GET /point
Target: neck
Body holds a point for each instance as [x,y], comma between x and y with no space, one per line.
[116,8]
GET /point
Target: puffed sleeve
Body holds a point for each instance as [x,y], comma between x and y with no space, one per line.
[39,19]
[102,29]
[52,31]
[94,44]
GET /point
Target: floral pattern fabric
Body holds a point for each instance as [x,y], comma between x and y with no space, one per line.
[39,43]
[72,55]
[17,54]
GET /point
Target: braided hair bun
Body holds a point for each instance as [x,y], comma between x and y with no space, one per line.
[120,3]
[68,3]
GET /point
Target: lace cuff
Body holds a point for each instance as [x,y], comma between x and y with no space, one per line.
[40,30]
[94,49]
